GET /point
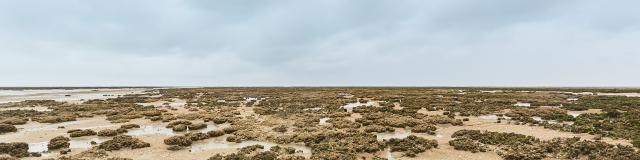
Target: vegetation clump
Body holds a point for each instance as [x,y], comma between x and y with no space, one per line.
[424,128]
[5,128]
[123,141]
[197,126]
[378,128]
[14,121]
[196,136]
[342,145]
[15,149]
[411,145]
[129,126]
[216,133]
[280,128]
[58,143]
[54,119]
[178,140]
[81,133]
[108,133]
[467,144]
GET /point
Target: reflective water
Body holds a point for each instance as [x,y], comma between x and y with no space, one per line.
[493,117]
[397,134]
[350,106]
[312,109]
[536,118]
[162,130]
[578,113]
[75,143]
[522,104]
[620,94]
[491,91]
[323,121]
[573,99]
[575,113]
[389,155]
[150,130]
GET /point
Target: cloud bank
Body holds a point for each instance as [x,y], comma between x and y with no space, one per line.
[316,43]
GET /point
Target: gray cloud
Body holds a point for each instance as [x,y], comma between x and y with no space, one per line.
[362,42]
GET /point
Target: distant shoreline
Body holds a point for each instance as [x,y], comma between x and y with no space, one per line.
[117,87]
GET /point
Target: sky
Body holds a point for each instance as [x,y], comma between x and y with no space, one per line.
[319,43]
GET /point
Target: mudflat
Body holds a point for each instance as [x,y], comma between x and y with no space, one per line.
[320,123]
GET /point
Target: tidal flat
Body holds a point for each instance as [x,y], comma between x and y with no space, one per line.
[292,123]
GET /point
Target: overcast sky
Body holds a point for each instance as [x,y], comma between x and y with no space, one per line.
[323,42]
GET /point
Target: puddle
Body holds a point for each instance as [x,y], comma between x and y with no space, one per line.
[312,109]
[492,91]
[175,104]
[493,117]
[248,99]
[522,104]
[150,130]
[99,127]
[389,155]
[620,94]
[396,134]
[575,113]
[578,113]
[323,121]
[162,130]
[350,106]
[38,147]
[203,146]
[75,143]
[536,118]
